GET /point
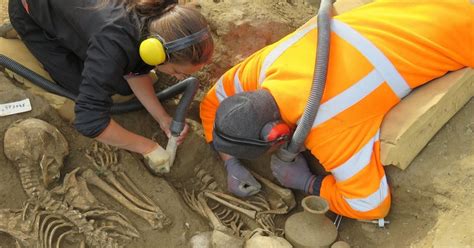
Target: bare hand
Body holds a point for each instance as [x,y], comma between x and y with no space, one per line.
[183,134]
[165,125]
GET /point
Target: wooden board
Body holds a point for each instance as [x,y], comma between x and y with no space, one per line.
[410,125]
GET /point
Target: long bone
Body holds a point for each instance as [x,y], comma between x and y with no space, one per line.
[105,160]
[286,195]
[114,182]
[235,199]
[134,188]
[250,213]
[156,220]
[215,222]
[218,220]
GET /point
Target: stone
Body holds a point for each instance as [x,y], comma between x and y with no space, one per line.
[201,240]
[224,240]
[259,241]
[340,244]
[410,125]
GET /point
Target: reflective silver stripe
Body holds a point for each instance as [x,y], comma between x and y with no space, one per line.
[348,97]
[280,49]
[372,201]
[356,163]
[374,55]
[220,92]
[237,86]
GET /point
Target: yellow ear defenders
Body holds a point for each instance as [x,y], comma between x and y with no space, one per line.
[154,50]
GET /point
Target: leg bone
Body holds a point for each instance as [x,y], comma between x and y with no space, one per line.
[215,222]
[114,182]
[234,199]
[250,213]
[132,185]
[156,220]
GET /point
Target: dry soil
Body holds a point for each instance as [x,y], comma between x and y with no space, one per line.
[432,200]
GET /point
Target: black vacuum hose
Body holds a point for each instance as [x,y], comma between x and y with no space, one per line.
[35,77]
[190,87]
[165,94]
[187,86]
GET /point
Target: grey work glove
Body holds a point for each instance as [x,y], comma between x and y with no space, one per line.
[294,174]
[239,180]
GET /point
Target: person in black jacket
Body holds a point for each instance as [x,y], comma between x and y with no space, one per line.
[91,48]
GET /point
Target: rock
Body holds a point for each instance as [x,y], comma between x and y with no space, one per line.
[340,244]
[224,240]
[201,240]
[267,242]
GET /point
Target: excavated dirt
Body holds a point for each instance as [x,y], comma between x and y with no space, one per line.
[432,199]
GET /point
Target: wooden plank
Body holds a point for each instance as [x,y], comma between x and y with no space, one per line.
[410,125]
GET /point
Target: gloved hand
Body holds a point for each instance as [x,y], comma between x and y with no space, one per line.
[158,160]
[239,180]
[294,175]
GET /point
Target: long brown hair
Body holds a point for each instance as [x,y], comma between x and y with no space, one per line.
[177,22]
[171,21]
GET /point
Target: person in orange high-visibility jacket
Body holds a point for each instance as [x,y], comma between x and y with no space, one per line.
[378,53]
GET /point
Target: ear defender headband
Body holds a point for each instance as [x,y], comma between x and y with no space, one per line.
[154,50]
[272,133]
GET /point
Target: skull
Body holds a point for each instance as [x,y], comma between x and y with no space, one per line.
[34,141]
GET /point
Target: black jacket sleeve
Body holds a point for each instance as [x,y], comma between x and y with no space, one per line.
[108,56]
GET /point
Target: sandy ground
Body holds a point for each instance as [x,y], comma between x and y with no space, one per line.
[432,199]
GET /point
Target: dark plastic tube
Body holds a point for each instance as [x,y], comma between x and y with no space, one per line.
[165,94]
[35,77]
[117,108]
[317,88]
[190,86]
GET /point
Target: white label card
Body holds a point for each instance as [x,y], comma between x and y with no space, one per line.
[12,108]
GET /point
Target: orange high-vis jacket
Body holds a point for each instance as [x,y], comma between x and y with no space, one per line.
[379,53]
